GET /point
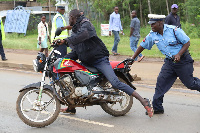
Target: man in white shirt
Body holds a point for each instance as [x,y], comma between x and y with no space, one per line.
[115,26]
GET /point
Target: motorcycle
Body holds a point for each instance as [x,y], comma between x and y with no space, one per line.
[73,85]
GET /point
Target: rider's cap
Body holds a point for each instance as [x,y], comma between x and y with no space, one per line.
[174,6]
[155,17]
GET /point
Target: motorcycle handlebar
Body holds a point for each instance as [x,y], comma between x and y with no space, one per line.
[126,62]
[55,44]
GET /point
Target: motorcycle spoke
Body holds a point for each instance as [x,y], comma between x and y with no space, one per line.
[38,114]
[47,112]
[27,110]
[47,103]
[112,105]
[29,100]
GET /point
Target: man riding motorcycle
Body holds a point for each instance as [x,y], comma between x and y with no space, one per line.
[90,50]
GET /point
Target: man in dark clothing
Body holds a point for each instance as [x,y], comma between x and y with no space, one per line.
[90,50]
[173,18]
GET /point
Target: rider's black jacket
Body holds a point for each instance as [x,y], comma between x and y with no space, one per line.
[86,45]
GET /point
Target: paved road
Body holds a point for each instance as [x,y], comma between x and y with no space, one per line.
[182,111]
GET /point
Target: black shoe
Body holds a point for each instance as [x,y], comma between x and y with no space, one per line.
[71,111]
[4,59]
[157,112]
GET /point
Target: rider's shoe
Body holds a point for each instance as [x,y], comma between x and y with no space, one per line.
[157,112]
[67,110]
[149,108]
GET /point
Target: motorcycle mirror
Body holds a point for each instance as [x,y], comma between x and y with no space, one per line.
[58,31]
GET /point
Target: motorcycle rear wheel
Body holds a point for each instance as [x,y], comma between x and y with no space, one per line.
[117,109]
[34,113]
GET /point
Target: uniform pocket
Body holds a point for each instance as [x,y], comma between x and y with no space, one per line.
[172,42]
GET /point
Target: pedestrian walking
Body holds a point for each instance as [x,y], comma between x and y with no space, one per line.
[59,22]
[174,44]
[2,37]
[135,34]
[43,35]
[173,18]
[115,26]
[90,50]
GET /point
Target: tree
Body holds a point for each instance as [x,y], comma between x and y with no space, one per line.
[167,6]
[149,4]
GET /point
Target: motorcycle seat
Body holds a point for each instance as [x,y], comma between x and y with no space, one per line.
[91,69]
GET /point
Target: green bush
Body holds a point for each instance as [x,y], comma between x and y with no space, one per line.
[191,30]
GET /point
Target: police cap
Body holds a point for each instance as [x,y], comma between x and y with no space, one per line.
[155,17]
[60,6]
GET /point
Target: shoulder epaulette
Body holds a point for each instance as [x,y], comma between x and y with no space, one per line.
[171,26]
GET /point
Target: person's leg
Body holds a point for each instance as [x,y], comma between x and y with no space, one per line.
[165,81]
[133,44]
[103,65]
[116,40]
[46,52]
[185,70]
[1,48]
[41,49]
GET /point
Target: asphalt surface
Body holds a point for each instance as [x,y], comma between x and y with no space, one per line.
[181,112]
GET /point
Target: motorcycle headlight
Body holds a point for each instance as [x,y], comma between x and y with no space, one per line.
[39,62]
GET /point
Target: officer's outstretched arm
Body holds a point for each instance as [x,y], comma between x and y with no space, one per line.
[138,51]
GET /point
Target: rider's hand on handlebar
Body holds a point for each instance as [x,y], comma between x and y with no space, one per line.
[59,41]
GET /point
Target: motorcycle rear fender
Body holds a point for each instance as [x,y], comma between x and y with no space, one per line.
[127,77]
[37,85]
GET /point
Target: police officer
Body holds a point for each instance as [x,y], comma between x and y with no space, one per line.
[174,44]
[59,21]
[2,37]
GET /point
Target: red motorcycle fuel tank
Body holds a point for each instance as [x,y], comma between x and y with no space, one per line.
[67,65]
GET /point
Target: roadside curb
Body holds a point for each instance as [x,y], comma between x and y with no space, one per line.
[16,66]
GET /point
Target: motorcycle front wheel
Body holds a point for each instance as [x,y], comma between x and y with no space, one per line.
[120,104]
[37,113]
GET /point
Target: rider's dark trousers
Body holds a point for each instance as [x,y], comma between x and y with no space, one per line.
[103,65]
[169,73]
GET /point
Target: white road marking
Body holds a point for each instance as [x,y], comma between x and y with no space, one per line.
[87,121]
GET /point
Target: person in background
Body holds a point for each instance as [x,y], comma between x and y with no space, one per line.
[173,18]
[174,44]
[82,12]
[2,37]
[90,50]
[43,34]
[135,34]
[115,26]
[59,21]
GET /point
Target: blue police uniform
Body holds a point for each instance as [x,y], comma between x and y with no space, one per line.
[170,43]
